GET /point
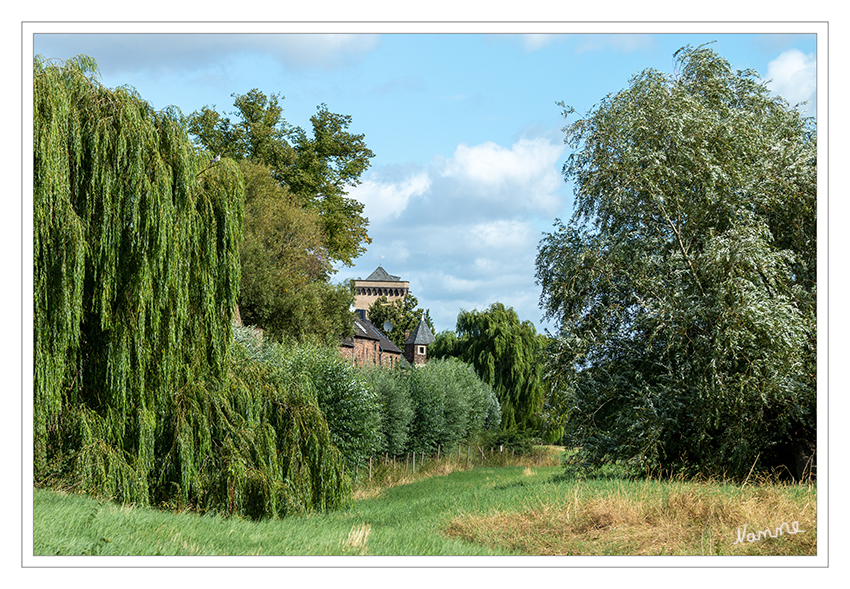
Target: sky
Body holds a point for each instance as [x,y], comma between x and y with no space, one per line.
[465,127]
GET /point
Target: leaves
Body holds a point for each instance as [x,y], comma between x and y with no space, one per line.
[134,263]
[316,169]
[139,394]
[506,354]
[286,266]
[683,290]
[403,313]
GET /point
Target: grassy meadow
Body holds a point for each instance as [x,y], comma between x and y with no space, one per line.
[506,506]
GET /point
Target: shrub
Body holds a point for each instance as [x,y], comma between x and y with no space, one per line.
[395,404]
[451,403]
[257,445]
[350,407]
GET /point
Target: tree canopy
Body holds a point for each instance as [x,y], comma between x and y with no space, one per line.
[136,270]
[404,314]
[141,393]
[506,353]
[286,266]
[684,285]
[317,168]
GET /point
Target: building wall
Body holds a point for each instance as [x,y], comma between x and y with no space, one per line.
[416,353]
[367,351]
[368,291]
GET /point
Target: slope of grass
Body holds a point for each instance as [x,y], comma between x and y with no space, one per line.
[451,509]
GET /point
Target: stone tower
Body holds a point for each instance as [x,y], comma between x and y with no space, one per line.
[379,284]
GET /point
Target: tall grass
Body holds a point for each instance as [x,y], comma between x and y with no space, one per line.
[451,508]
[385,472]
[615,516]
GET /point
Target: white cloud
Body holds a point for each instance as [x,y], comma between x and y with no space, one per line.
[180,52]
[386,200]
[504,234]
[454,285]
[463,228]
[619,42]
[533,42]
[526,175]
[793,75]
[307,50]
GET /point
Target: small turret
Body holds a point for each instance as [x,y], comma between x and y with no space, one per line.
[416,345]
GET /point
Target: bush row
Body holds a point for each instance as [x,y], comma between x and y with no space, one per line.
[437,404]
[281,434]
[374,410]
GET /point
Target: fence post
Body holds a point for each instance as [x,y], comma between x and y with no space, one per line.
[406,458]
[467,453]
[438,453]
[370,469]
[414,462]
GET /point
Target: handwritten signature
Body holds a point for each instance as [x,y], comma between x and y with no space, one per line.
[784,528]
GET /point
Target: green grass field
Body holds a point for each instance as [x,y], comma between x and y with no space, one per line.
[486,510]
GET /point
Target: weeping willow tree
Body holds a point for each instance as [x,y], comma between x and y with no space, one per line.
[136,272]
[506,353]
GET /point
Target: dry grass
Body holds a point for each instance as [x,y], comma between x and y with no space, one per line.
[653,519]
[386,476]
[357,538]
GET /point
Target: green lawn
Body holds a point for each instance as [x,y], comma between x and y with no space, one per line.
[482,511]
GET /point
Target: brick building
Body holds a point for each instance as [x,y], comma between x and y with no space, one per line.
[369,345]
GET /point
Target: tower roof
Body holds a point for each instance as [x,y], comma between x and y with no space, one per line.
[422,335]
[381,275]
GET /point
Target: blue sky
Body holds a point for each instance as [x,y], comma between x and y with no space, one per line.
[465,127]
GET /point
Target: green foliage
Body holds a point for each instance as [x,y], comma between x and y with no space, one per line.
[286,266]
[685,286]
[404,314]
[506,354]
[317,168]
[136,273]
[139,395]
[520,442]
[450,404]
[440,403]
[396,407]
[352,409]
[257,446]
[326,164]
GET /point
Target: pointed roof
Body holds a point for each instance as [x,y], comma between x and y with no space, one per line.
[421,336]
[364,328]
[381,275]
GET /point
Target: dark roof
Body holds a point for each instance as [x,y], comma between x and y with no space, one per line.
[363,328]
[380,275]
[422,335]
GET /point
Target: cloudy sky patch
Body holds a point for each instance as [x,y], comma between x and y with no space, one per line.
[385,200]
[793,75]
[460,190]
